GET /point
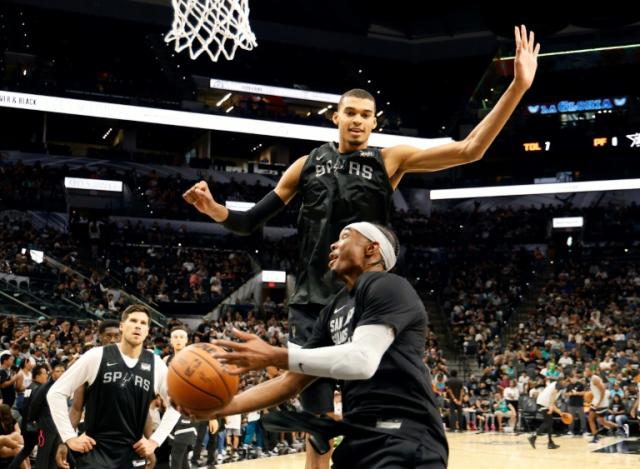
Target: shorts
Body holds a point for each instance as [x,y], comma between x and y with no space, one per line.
[385,452]
[109,457]
[600,410]
[370,443]
[318,397]
[233,432]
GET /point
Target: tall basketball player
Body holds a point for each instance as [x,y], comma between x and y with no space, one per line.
[599,406]
[372,338]
[123,378]
[349,181]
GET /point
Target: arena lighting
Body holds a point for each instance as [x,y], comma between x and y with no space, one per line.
[93,184]
[36,256]
[254,88]
[535,189]
[224,98]
[576,51]
[568,222]
[276,276]
[79,107]
[240,206]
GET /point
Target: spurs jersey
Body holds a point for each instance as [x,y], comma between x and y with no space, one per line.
[117,402]
[336,189]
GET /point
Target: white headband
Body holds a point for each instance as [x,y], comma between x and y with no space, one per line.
[373,233]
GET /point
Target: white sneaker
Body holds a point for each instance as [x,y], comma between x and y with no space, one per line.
[625,429]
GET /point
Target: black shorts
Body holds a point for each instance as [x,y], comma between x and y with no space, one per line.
[103,457]
[318,397]
[385,452]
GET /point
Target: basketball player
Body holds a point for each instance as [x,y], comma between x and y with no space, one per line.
[350,181]
[372,336]
[599,406]
[123,378]
[546,403]
[108,333]
[184,433]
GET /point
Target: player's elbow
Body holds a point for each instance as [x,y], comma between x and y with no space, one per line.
[471,151]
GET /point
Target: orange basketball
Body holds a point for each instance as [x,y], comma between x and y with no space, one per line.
[197,381]
[588,397]
[566,418]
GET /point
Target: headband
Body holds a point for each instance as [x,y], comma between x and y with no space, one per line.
[375,234]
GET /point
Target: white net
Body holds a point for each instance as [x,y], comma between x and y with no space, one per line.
[212,26]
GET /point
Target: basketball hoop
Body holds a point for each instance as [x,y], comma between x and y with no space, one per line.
[212,26]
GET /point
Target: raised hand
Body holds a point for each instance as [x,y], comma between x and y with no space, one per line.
[526,60]
[201,198]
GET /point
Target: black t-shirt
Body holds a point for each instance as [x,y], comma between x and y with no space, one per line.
[8,393]
[336,190]
[401,387]
[576,401]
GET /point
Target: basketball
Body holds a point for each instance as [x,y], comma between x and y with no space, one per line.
[566,418]
[197,381]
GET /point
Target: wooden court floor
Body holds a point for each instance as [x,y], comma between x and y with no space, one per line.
[497,451]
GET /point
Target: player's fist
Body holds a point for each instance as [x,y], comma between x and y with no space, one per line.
[144,448]
[82,444]
[201,198]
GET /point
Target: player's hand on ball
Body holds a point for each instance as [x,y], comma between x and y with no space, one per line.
[144,448]
[252,354]
[198,414]
[82,444]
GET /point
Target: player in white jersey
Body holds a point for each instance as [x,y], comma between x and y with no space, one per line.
[546,403]
[600,406]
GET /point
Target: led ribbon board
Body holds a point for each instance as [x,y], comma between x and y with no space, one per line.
[535,189]
[79,107]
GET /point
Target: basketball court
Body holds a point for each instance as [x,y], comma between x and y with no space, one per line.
[489,451]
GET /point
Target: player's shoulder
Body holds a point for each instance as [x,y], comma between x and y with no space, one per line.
[384,283]
[397,151]
[383,278]
[94,352]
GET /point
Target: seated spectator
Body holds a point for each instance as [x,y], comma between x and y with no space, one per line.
[11,441]
[502,410]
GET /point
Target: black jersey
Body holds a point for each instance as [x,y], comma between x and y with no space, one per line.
[401,386]
[336,189]
[117,402]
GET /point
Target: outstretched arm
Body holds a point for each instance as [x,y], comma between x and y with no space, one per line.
[267,394]
[406,159]
[245,223]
